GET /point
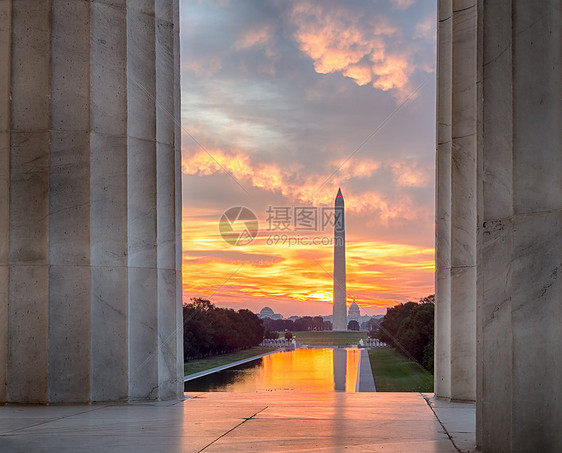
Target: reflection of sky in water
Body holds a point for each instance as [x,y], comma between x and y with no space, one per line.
[302,370]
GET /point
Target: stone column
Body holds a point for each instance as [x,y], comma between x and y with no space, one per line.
[519,397]
[442,367]
[5,56]
[515,176]
[90,201]
[455,356]
[495,174]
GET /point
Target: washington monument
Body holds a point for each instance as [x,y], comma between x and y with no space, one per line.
[340,293]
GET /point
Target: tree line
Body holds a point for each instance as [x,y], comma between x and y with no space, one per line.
[209,330]
[303,324]
[409,328]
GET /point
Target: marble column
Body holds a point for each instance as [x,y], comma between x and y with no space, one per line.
[90,201]
[515,176]
[5,56]
[519,396]
[442,349]
[455,352]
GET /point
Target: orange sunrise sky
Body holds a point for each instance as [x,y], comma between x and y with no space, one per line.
[283,102]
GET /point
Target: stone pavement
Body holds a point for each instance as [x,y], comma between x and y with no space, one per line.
[365,379]
[242,422]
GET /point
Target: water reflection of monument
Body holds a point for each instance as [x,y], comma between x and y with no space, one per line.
[340,369]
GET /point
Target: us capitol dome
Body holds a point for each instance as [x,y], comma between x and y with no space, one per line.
[267,312]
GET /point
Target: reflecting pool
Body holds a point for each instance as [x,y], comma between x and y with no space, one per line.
[300,370]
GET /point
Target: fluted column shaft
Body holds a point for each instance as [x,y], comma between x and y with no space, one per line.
[90,201]
[519,397]
[455,352]
[499,205]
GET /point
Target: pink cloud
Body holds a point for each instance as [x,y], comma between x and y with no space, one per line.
[357,169]
[205,67]
[342,40]
[316,189]
[257,37]
[403,4]
[427,28]
[262,37]
[409,174]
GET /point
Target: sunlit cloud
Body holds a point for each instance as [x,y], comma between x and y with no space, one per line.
[203,67]
[231,256]
[383,210]
[281,105]
[377,272]
[403,4]
[341,39]
[391,72]
[360,73]
[409,174]
[314,189]
[261,37]
[427,28]
[363,168]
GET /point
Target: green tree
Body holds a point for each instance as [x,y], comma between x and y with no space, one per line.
[373,326]
[410,328]
[269,335]
[210,330]
[278,325]
[388,330]
[318,323]
[304,324]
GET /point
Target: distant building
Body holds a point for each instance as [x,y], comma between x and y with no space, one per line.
[354,313]
[267,312]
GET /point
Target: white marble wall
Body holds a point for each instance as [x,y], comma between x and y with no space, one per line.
[517,183]
[90,201]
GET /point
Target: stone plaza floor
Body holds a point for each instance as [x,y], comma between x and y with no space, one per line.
[246,422]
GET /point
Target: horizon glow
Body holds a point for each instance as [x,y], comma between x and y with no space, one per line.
[284,102]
